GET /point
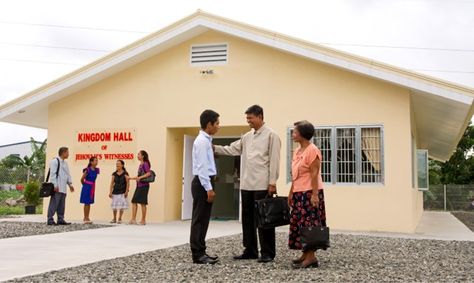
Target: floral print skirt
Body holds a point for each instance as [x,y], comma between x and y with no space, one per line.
[303,214]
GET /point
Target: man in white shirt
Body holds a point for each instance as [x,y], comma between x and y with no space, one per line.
[61,179]
[260,157]
[202,187]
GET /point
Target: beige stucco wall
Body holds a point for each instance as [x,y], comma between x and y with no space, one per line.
[164,95]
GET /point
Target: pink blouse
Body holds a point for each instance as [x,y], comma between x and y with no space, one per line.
[300,168]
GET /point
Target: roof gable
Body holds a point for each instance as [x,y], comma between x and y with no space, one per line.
[31,108]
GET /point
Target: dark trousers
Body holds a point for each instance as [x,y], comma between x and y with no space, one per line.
[249,227]
[57,204]
[200,218]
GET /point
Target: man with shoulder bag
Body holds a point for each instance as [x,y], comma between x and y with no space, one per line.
[61,179]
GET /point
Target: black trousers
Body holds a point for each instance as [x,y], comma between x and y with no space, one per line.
[249,227]
[200,218]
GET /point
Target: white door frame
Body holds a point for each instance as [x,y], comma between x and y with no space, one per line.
[186,196]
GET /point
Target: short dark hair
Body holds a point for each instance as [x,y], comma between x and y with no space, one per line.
[305,128]
[208,116]
[256,110]
[62,150]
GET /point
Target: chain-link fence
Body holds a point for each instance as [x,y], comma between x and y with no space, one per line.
[449,197]
[9,178]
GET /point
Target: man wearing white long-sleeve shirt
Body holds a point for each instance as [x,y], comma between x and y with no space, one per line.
[202,187]
[61,179]
[260,154]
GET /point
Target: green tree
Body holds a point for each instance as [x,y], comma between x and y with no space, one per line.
[32,164]
[459,169]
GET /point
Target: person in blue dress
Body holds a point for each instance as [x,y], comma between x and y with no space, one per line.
[88,187]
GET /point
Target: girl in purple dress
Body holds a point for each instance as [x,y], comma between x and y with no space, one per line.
[141,192]
[88,187]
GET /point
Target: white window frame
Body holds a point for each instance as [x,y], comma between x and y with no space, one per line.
[427,171]
[358,150]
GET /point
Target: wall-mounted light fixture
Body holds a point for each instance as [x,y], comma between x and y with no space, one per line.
[207,72]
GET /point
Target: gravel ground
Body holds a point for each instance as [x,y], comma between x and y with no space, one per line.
[465,217]
[351,259]
[10,229]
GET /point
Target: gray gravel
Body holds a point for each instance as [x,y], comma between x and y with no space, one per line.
[351,259]
[9,229]
[466,217]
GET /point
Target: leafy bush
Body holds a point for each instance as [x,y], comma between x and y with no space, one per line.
[32,193]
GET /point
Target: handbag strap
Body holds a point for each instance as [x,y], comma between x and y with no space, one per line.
[316,211]
[57,171]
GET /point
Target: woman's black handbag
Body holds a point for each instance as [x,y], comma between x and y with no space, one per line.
[47,189]
[149,179]
[272,212]
[314,237]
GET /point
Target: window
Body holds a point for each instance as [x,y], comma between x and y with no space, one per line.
[209,54]
[422,169]
[352,154]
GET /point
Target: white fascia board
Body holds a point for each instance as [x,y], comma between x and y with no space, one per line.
[345,64]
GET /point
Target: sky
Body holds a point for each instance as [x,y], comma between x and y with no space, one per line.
[43,40]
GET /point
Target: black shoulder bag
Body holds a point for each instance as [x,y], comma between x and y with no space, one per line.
[47,188]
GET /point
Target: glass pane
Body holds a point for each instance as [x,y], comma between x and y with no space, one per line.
[322,139]
[346,158]
[371,155]
[422,165]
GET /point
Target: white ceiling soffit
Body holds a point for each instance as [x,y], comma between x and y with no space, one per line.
[438,122]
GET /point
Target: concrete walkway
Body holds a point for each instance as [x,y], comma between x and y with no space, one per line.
[30,255]
[23,256]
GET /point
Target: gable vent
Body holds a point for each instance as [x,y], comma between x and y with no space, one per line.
[209,54]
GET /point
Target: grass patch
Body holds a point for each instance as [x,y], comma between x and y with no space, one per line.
[4,195]
[17,210]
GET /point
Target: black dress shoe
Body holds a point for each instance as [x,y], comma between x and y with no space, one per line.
[313,264]
[212,257]
[264,259]
[205,260]
[245,256]
[64,223]
[51,223]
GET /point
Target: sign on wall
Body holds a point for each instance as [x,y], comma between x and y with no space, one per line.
[106,145]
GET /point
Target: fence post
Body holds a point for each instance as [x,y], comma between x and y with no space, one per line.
[444,194]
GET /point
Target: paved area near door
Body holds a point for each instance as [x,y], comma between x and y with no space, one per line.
[23,256]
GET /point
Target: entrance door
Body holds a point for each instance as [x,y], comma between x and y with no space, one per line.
[227,202]
[187,198]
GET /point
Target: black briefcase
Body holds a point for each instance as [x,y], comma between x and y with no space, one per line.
[272,212]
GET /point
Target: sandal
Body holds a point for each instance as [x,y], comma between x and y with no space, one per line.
[142,223]
[132,222]
[119,222]
[113,221]
[87,222]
